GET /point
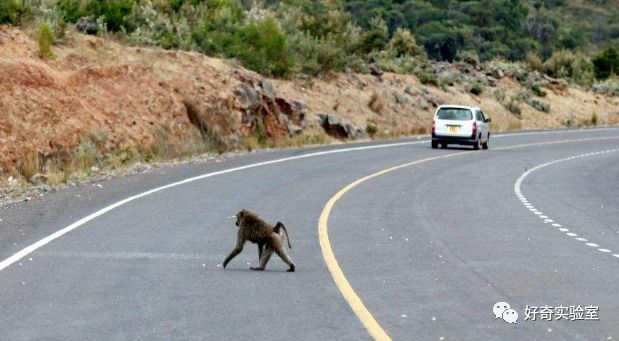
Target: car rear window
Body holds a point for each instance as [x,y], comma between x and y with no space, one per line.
[455,114]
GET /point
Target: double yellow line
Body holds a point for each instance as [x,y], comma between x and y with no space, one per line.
[362,312]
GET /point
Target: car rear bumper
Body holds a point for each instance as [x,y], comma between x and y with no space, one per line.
[469,140]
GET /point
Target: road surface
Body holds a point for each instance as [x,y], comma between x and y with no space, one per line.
[426,245]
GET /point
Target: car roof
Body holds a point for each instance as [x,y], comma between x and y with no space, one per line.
[456,106]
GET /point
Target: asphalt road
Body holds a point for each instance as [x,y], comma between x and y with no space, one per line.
[428,248]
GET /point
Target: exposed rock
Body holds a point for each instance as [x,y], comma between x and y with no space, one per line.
[87,25]
[340,128]
[410,91]
[405,98]
[498,73]
[491,81]
[376,70]
[269,91]
[247,96]
[291,128]
[422,104]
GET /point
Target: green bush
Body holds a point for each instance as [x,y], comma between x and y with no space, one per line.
[261,46]
[537,90]
[514,107]
[371,128]
[606,63]
[569,65]
[403,43]
[45,39]
[12,12]
[539,105]
[113,12]
[478,88]
[427,78]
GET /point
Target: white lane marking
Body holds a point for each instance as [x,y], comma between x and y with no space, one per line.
[124,255]
[33,247]
[526,203]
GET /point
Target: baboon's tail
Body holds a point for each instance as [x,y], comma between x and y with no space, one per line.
[287,237]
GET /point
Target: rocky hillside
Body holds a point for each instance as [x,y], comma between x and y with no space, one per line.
[100,104]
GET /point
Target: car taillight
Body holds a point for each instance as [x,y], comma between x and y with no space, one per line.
[433,126]
[474,129]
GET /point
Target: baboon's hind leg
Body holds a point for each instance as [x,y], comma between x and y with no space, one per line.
[279,249]
[266,255]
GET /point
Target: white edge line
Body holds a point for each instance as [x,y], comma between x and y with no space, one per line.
[33,247]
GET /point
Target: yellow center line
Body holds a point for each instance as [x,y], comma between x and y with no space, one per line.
[355,303]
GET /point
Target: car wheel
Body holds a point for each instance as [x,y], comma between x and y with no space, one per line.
[434,144]
[443,145]
[477,143]
[486,145]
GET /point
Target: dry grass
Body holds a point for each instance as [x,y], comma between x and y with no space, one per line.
[377,104]
[29,165]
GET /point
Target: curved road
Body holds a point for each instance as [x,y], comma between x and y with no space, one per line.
[428,248]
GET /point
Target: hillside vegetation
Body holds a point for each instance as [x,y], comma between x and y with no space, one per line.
[575,39]
[89,86]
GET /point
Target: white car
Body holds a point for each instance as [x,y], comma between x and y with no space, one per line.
[458,124]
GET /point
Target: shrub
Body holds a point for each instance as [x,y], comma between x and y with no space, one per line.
[537,90]
[608,87]
[371,129]
[606,63]
[375,39]
[535,63]
[539,105]
[514,107]
[426,77]
[568,65]
[477,88]
[11,12]
[594,118]
[261,47]
[45,39]
[114,12]
[403,43]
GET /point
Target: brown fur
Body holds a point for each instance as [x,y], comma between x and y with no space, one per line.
[268,238]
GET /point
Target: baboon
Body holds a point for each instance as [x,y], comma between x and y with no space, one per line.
[268,238]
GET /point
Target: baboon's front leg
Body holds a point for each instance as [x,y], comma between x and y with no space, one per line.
[260,249]
[237,249]
[266,255]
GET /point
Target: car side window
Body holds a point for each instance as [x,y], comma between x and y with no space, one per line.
[478,116]
[483,117]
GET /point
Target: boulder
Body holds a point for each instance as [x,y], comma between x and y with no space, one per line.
[376,70]
[87,25]
[268,89]
[405,98]
[340,128]
[247,97]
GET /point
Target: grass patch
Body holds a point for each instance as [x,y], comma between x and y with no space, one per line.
[45,39]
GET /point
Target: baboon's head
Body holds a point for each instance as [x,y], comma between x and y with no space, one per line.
[239,216]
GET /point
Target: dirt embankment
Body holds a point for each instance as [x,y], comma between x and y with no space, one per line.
[107,100]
